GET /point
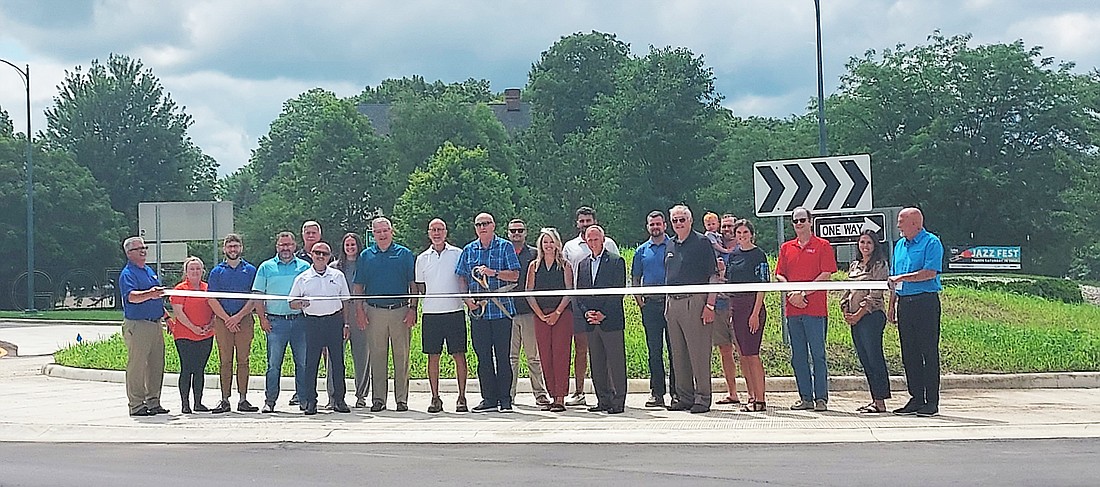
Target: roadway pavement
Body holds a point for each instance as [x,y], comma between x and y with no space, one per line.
[50,408]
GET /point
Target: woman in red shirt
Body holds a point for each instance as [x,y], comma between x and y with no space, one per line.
[191,324]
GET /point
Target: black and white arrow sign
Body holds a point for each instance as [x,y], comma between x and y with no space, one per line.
[838,184]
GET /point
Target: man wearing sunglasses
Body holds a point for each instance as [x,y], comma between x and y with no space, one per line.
[142,312]
[324,323]
[807,257]
[523,322]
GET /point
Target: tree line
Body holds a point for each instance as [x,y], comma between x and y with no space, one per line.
[996,143]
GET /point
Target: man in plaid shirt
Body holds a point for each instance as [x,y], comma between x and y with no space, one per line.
[487,264]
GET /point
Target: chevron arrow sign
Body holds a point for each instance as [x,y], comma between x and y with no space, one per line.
[839,184]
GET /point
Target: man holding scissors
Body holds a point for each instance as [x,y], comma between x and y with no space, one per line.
[489,264]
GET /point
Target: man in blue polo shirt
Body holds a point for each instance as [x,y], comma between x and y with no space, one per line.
[233,322]
[648,269]
[915,307]
[491,260]
[276,276]
[386,268]
[142,311]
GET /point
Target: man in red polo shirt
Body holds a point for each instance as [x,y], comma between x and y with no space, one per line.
[807,257]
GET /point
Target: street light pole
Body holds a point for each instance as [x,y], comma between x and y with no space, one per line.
[26,78]
[820,87]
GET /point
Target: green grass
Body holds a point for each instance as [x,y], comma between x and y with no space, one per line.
[76,315]
[983,331]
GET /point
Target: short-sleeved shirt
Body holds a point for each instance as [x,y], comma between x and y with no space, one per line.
[226,278]
[649,263]
[134,278]
[197,310]
[576,250]
[689,261]
[499,255]
[314,284]
[385,272]
[525,255]
[746,266]
[924,251]
[276,277]
[436,270]
[798,263]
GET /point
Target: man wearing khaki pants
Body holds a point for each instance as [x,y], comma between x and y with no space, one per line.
[233,322]
[142,311]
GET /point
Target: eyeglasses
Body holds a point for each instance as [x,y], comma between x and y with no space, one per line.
[517,230]
[320,253]
[800,220]
[679,220]
[482,224]
[138,248]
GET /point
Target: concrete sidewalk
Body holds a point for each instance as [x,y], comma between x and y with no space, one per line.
[40,408]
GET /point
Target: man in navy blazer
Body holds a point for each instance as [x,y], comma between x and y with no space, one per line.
[606,320]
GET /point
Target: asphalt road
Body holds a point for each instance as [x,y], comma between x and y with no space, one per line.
[1001,463]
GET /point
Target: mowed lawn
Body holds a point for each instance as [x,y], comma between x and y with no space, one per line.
[983,331]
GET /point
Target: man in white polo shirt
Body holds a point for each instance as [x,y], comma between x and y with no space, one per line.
[442,319]
[325,322]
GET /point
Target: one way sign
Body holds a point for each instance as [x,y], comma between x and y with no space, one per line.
[846,229]
[822,184]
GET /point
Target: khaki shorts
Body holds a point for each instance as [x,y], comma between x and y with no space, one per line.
[721,332]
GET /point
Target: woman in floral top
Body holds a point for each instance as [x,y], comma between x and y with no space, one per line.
[863,310]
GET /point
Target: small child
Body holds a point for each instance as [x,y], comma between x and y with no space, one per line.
[710,222]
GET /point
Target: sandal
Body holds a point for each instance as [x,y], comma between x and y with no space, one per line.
[870,409]
[729,400]
[754,407]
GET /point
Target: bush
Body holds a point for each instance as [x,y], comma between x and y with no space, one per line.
[1049,288]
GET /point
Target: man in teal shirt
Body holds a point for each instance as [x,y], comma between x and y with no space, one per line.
[282,324]
[915,307]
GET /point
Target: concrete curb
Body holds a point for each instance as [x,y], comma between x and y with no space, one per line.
[1050,380]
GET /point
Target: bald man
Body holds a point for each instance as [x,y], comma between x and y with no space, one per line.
[915,307]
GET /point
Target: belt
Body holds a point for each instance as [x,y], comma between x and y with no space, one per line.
[388,306]
[285,317]
[678,297]
[916,297]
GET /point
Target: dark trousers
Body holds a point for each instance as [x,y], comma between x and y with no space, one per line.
[607,352]
[321,332]
[656,339]
[919,331]
[193,357]
[867,338]
[492,340]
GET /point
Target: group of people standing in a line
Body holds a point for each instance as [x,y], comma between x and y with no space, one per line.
[553,331]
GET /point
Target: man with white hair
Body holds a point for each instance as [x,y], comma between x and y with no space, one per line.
[142,312]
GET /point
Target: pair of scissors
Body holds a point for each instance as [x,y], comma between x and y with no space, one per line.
[483,281]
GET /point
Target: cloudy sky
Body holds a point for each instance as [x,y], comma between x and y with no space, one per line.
[233,63]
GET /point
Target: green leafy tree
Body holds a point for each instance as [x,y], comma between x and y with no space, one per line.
[116,120]
[983,138]
[457,184]
[415,87]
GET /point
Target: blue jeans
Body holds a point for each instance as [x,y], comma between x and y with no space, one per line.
[808,356]
[656,338]
[867,339]
[492,340]
[283,332]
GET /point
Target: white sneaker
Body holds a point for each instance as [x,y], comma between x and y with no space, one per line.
[577,399]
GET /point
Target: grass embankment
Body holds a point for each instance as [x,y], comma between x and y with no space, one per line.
[73,315]
[983,331]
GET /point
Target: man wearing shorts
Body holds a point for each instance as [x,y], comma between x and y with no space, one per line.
[442,319]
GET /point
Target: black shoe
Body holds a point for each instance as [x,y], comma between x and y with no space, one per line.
[328,406]
[244,406]
[311,408]
[294,400]
[269,407]
[199,408]
[185,408]
[360,403]
[484,406]
[597,408]
[402,407]
[378,406]
[655,401]
[616,410]
[436,406]
[460,405]
[142,411]
[679,406]
[340,406]
[910,408]
[159,410]
[222,407]
[699,409]
[928,411]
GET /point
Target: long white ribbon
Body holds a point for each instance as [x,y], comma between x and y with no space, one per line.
[641,290]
